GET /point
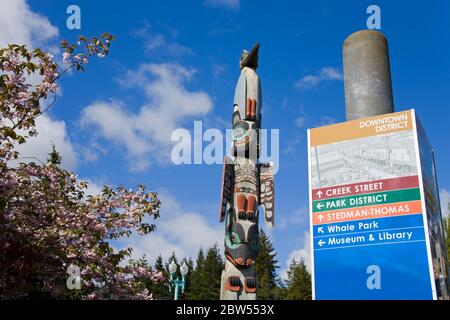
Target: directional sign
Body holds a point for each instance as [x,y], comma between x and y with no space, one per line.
[368,219]
[380,211]
[367,200]
[359,188]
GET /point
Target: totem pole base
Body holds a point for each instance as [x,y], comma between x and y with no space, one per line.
[238,284]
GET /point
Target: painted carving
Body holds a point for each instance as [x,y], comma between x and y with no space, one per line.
[247,186]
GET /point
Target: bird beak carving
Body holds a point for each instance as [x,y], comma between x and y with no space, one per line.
[251,60]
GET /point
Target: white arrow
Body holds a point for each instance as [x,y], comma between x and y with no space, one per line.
[319,194]
[320,217]
[319,206]
[321,243]
[320,229]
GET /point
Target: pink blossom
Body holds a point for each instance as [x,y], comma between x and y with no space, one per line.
[48,223]
[6,66]
[66,57]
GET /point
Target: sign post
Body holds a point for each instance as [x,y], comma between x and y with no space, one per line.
[368,216]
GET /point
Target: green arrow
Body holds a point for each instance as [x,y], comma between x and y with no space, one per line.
[370,199]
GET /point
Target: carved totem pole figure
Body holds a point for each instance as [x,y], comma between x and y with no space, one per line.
[246,185]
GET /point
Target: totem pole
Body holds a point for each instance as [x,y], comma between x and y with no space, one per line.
[246,185]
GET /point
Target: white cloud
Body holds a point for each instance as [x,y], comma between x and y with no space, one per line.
[299,217]
[313,80]
[18,24]
[291,144]
[304,252]
[300,122]
[93,188]
[444,196]
[218,70]
[146,134]
[228,4]
[177,230]
[158,43]
[91,151]
[50,132]
[325,120]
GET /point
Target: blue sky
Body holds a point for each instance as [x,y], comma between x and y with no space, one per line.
[111,122]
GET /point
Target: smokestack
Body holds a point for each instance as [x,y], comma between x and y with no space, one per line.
[367,75]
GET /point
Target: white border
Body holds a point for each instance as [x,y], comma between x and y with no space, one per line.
[424,208]
[311,229]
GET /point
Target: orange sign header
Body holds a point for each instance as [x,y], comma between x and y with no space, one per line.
[364,127]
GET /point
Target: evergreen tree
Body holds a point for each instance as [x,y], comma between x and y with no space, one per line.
[265,267]
[212,271]
[54,157]
[299,281]
[281,291]
[206,277]
[196,286]
[159,265]
[160,290]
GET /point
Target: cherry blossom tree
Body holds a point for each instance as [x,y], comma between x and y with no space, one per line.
[53,237]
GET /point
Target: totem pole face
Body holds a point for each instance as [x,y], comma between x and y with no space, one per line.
[245,138]
[241,242]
